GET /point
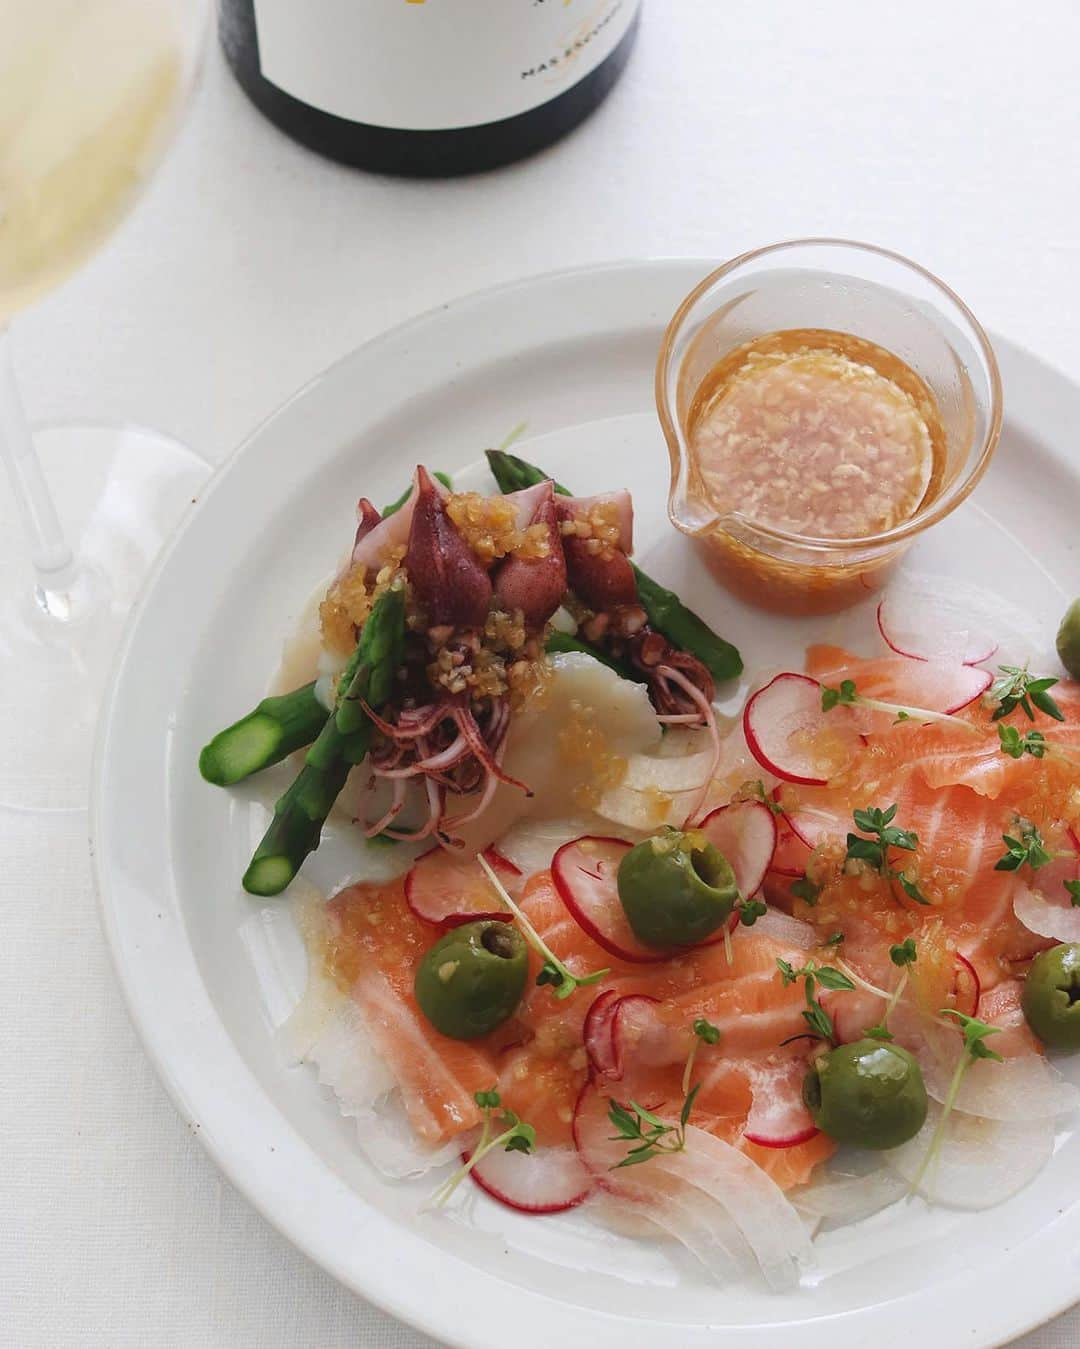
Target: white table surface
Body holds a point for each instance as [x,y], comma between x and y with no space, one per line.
[945,130]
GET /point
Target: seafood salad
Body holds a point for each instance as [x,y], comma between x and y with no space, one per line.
[723,980]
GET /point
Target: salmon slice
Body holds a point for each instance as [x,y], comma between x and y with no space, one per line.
[375,944]
[790,1166]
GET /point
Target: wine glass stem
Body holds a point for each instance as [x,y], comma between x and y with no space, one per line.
[53,561]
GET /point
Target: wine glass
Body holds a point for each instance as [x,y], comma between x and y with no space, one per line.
[91,93]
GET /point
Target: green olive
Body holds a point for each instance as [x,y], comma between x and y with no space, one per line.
[676,888]
[471,980]
[1068,639]
[869,1093]
[1051,997]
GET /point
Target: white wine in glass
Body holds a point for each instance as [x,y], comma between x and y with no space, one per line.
[91,93]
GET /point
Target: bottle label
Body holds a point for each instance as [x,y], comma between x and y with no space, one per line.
[433,65]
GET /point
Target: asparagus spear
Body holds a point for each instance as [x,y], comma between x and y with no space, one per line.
[296,828]
[268,734]
[666,612]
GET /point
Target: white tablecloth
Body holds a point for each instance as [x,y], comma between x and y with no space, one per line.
[948,131]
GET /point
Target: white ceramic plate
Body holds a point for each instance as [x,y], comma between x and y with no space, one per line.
[209,972]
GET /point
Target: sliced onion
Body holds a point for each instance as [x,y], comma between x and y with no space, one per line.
[745,832]
[981,1162]
[835,1197]
[737,1187]
[1023,1087]
[1045,907]
[547,1180]
[666,774]
[789,735]
[688,1217]
[781,928]
[531,844]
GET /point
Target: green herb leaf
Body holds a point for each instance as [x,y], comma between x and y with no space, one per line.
[805,889]
[1015,688]
[832,979]
[835,940]
[1073,887]
[787,972]
[909,887]
[878,1033]
[1027,850]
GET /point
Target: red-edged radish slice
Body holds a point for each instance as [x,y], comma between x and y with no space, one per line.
[819,821]
[548,1180]
[585,873]
[918,627]
[778,1117]
[640,1038]
[442,888]
[939,686]
[789,735]
[792,854]
[596,1034]
[1044,906]
[967,987]
[745,832]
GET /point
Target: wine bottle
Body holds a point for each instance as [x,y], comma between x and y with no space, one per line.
[427,88]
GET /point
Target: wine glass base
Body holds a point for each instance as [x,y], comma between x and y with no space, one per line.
[120,492]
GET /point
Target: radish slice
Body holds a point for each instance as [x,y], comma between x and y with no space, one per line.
[789,734]
[1046,907]
[639,1038]
[981,1162]
[778,1118]
[442,888]
[585,873]
[596,1034]
[916,624]
[939,686]
[549,1180]
[966,986]
[745,832]
[1022,1088]
[817,822]
[792,854]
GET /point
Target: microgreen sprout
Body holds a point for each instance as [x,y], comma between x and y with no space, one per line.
[563,980]
[704,1033]
[847,695]
[648,1133]
[750,910]
[835,940]
[1073,887]
[975,1047]
[874,851]
[903,955]
[514,1136]
[1014,688]
[815,1016]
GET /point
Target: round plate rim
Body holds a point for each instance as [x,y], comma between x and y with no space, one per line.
[989,1320]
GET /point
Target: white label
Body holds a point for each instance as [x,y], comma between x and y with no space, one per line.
[430,65]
